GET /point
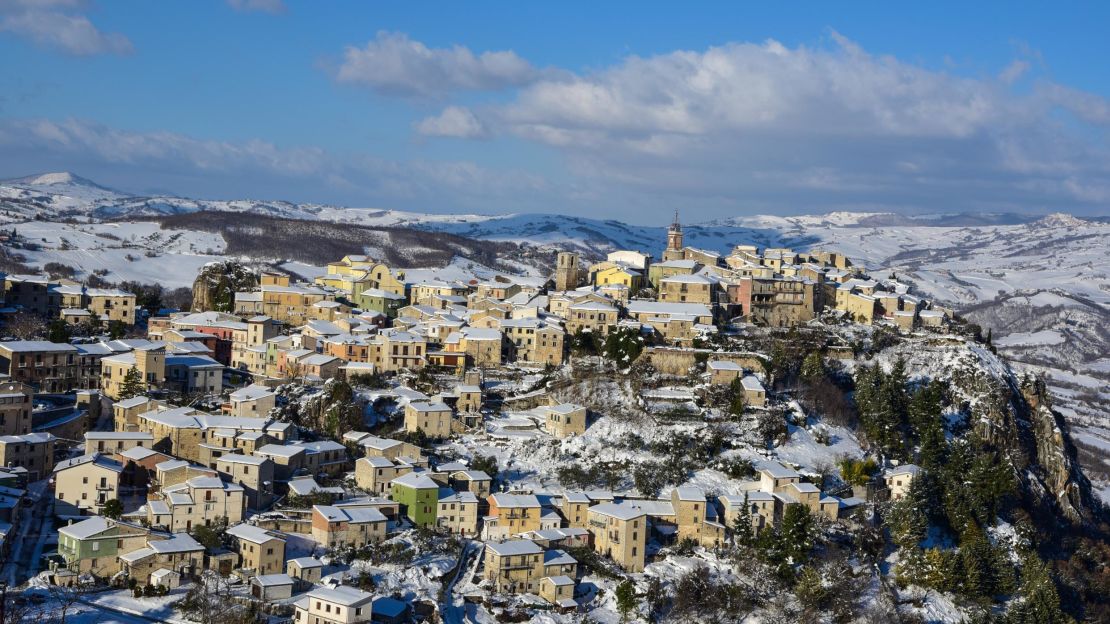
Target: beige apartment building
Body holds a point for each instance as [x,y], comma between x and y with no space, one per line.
[260,551]
[15,408]
[34,452]
[517,566]
[591,316]
[150,361]
[354,527]
[564,420]
[510,514]
[689,289]
[457,513]
[116,441]
[338,605]
[253,473]
[434,419]
[373,474]
[619,532]
[83,485]
[200,500]
[533,341]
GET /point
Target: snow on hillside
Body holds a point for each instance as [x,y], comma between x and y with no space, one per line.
[1042,286]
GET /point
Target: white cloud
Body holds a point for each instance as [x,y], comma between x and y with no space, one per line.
[261,6]
[454,121]
[1014,71]
[758,126]
[258,168]
[49,23]
[393,64]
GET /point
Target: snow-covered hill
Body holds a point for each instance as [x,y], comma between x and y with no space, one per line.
[1041,284]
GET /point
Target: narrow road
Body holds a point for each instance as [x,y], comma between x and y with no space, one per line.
[468,563]
[36,525]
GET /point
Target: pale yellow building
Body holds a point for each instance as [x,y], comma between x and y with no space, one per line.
[619,532]
[457,512]
[260,551]
[434,419]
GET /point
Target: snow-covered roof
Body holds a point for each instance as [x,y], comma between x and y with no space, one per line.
[119,435]
[558,557]
[352,515]
[18,346]
[639,306]
[751,383]
[723,365]
[250,393]
[251,533]
[279,450]
[677,264]
[138,453]
[621,511]
[415,480]
[513,548]
[906,469]
[342,595]
[92,458]
[777,470]
[86,528]
[177,543]
[307,562]
[429,406]
[272,580]
[509,501]
[593,305]
[239,458]
[319,446]
[690,494]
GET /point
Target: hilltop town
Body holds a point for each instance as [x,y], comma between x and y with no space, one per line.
[629,438]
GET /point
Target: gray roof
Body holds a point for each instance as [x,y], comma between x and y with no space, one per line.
[515,547]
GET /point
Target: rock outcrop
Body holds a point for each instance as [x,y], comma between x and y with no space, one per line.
[217,283]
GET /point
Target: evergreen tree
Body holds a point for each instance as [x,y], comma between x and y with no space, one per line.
[742,530]
[58,331]
[813,367]
[626,599]
[736,397]
[132,385]
[795,538]
[116,329]
[113,509]
[94,322]
[1041,604]
[907,519]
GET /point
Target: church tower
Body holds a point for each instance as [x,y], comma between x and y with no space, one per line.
[566,271]
[674,249]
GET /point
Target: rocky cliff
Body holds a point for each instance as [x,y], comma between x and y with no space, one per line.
[217,283]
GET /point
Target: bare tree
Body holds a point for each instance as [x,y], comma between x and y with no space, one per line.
[25,326]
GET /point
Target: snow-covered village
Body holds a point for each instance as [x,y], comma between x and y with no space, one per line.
[357,312]
[763,435]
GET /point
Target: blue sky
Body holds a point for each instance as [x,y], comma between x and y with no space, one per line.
[622,110]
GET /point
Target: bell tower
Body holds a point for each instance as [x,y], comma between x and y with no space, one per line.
[566,271]
[674,241]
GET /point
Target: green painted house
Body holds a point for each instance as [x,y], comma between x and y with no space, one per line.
[379,300]
[418,497]
[94,545]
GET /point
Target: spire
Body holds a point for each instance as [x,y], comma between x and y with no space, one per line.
[676,226]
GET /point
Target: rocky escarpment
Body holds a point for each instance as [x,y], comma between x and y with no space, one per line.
[1014,416]
[217,283]
[1056,456]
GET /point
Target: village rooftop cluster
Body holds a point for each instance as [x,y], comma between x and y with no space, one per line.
[196,437]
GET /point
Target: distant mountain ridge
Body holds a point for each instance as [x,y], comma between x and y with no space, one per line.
[63,195]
